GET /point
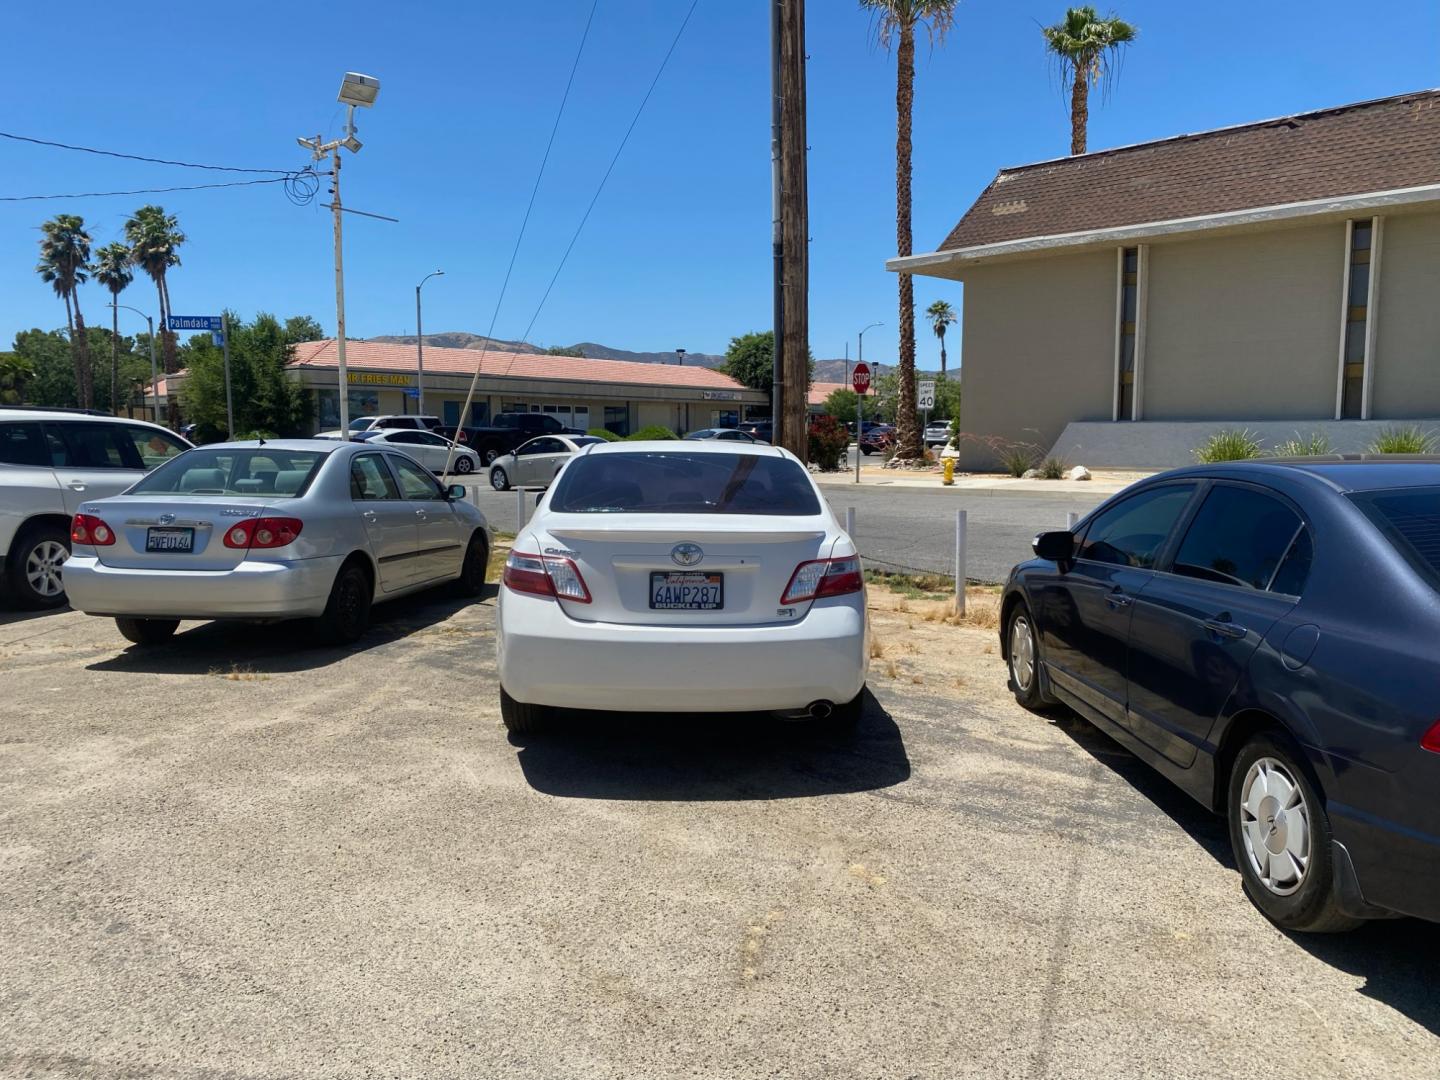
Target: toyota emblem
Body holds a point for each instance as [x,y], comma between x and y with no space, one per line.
[167,519]
[686,554]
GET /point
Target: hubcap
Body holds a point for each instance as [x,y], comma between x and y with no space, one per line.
[42,567]
[497,480]
[1022,653]
[1275,822]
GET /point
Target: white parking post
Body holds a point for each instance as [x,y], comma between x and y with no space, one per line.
[1070,519]
[959,562]
[850,524]
[519,510]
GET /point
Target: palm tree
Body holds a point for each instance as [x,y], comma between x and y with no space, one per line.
[65,264]
[897,20]
[941,315]
[154,237]
[112,269]
[1086,48]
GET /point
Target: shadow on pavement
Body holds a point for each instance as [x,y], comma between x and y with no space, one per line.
[10,615]
[1397,958]
[711,756]
[277,648]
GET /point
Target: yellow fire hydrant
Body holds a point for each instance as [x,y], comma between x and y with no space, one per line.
[949,472]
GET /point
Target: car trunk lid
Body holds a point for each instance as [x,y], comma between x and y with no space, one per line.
[153,533]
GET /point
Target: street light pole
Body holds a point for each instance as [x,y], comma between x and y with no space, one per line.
[680,353]
[154,391]
[420,347]
[860,401]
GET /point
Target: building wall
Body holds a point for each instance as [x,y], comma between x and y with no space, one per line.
[1406,368]
[1244,326]
[1039,350]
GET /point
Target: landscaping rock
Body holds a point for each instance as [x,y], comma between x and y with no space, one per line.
[1079,472]
[1030,474]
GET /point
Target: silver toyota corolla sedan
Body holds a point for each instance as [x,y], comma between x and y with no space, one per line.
[293,528]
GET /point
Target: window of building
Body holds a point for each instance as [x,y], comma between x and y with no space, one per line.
[1357,310]
[617,419]
[514,406]
[1132,532]
[1240,537]
[1129,323]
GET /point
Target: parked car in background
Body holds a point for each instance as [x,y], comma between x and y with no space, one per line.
[536,463]
[1263,634]
[937,433]
[506,432]
[877,439]
[51,462]
[721,434]
[762,431]
[285,529]
[394,421]
[427,448]
[682,577]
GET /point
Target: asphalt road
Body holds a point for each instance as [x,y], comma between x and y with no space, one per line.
[914,528]
[240,856]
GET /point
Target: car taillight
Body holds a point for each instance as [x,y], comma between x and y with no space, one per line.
[265,532]
[824,577]
[86,529]
[1431,739]
[545,575]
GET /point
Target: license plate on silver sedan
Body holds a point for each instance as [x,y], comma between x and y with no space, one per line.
[686,591]
[178,540]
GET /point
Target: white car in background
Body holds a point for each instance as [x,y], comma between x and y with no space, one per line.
[50,462]
[431,450]
[682,577]
[535,463]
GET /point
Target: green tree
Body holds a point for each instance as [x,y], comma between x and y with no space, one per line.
[1086,47]
[941,316]
[565,350]
[266,397]
[112,269]
[155,238]
[841,405]
[750,360]
[300,328]
[51,357]
[897,22]
[65,264]
[15,373]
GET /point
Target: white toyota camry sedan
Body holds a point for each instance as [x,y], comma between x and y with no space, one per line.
[682,577]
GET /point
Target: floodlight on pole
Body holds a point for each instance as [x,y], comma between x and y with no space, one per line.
[356,91]
[420,347]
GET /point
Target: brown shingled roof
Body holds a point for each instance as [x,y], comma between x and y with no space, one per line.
[1356,149]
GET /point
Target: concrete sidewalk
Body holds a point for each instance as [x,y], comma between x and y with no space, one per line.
[1106,482]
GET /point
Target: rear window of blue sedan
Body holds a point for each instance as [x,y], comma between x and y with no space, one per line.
[680,483]
[1410,520]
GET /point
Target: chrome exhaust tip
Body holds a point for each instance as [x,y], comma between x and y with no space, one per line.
[820,710]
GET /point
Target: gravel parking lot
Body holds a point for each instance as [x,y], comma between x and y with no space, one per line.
[240,856]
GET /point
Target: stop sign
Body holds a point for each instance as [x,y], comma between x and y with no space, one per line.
[860,378]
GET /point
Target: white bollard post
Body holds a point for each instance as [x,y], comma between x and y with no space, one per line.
[519,510]
[1070,519]
[850,524]
[959,562]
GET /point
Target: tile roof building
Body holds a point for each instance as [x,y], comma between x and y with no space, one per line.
[1279,273]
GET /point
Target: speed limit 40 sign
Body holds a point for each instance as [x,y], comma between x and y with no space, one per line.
[925,396]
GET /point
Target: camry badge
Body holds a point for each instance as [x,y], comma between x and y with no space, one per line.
[686,554]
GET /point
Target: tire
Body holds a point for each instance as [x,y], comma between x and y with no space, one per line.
[866,451]
[1022,657]
[1276,816]
[347,612]
[34,567]
[489,454]
[471,582]
[521,719]
[464,464]
[498,480]
[147,631]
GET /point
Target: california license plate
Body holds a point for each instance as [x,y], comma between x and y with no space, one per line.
[686,591]
[181,540]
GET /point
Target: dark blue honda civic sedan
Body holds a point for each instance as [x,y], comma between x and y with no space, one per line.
[1266,635]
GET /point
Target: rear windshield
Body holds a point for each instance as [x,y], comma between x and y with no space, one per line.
[275,474]
[1410,520]
[680,483]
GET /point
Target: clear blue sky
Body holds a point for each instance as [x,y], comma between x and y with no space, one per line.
[677,252]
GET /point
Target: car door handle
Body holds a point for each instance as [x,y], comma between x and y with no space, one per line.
[76,485]
[368,515]
[1118,601]
[1222,627]
[420,514]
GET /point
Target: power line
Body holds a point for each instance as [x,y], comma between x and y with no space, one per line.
[300,188]
[135,157]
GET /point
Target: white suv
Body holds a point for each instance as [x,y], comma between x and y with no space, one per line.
[51,462]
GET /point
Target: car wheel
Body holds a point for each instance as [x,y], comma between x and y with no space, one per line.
[521,719]
[471,581]
[347,612]
[1281,837]
[35,572]
[489,454]
[1022,652]
[498,480]
[464,464]
[866,451]
[147,631]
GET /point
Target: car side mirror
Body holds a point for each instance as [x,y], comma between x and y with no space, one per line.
[455,493]
[1057,546]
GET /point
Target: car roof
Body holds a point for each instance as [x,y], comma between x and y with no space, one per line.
[11,413]
[682,446]
[1369,473]
[323,446]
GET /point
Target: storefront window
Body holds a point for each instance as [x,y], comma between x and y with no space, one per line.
[327,406]
[617,419]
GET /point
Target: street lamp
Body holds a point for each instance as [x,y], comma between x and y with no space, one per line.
[356,91]
[420,346]
[680,354]
[154,377]
[860,403]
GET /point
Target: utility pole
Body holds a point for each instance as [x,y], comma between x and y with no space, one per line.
[777,232]
[795,231]
[420,347]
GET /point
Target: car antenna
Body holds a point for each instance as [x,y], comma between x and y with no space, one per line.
[261,439]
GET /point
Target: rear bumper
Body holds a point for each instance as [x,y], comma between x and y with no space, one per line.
[547,658]
[1397,868]
[251,590]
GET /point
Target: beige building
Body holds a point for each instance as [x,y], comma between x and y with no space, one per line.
[1120,306]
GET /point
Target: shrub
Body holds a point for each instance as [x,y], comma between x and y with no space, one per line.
[1053,468]
[829,440]
[1228,445]
[1403,440]
[653,431]
[247,436]
[1316,444]
[1017,458]
[603,433]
